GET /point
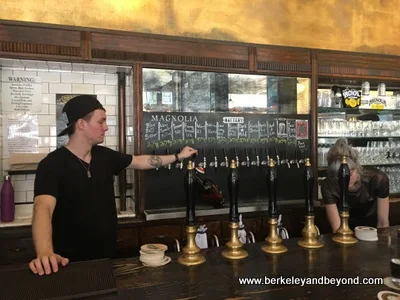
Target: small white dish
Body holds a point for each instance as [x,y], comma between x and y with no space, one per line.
[166,260]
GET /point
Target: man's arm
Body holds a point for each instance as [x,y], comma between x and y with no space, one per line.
[43,209]
[145,162]
[333,216]
[383,212]
[46,260]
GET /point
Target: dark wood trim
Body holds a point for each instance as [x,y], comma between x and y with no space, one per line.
[252,59]
[86,45]
[137,78]
[314,119]
[285,60]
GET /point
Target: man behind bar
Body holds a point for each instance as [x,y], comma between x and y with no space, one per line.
[74,214]
[368,196]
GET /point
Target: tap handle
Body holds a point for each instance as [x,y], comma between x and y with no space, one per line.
[226,158]
[296,153]
[204,158]
[278,160]
[247,157]
[237,158]
[179,164]
[257,157]
[287,157]
[169,165]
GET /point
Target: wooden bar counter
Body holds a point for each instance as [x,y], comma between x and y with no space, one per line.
[218,278]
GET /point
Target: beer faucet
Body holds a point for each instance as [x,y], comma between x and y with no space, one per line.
[296,160]
[257,161]
[214,164]
[169,165]
[246,163]
[303,160]
[237,157]
[226,162]
[204,163]
[179,165]
[286,160]
[278,161]
[265,162]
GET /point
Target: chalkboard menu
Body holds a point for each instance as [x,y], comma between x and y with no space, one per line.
[175,129]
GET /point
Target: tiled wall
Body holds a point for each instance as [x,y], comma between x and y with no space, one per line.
[67,78]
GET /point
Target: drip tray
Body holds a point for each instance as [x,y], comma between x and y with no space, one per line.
[77,280]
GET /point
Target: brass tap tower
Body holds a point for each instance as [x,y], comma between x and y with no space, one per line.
[191,252]
[234,245]
[344,235]
[273,240]
[309,233]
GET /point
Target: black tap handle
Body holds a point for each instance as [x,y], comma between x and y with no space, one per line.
[296,153]
[267,152]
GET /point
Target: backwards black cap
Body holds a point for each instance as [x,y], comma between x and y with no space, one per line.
[77,108]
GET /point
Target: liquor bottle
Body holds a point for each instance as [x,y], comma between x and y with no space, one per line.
[208,191]
[7,201]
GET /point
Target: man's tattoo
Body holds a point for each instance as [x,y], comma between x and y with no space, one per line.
[155,161]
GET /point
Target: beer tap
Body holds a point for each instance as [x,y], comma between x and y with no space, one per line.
[246,163]
[302,160]
[214,164]
[265,162]
[203,164]
[169,165]
[257,161]
[296,160]
[226,162]
[278,160]
[286,160]
[179,165]
[237,157]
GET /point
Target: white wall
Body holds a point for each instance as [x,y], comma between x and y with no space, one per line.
[68,78]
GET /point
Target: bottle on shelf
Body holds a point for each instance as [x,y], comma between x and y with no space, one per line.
[7,201]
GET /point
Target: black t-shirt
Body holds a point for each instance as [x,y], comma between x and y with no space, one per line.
[362,203]
[85,217]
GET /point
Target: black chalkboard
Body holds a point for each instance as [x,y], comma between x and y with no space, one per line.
[176,129]
[215,134]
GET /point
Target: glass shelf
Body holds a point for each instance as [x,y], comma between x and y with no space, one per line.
[357,110]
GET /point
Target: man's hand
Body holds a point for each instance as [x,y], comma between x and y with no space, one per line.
[45,264]
[186,153]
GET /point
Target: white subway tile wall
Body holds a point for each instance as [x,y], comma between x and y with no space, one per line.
[69,78]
